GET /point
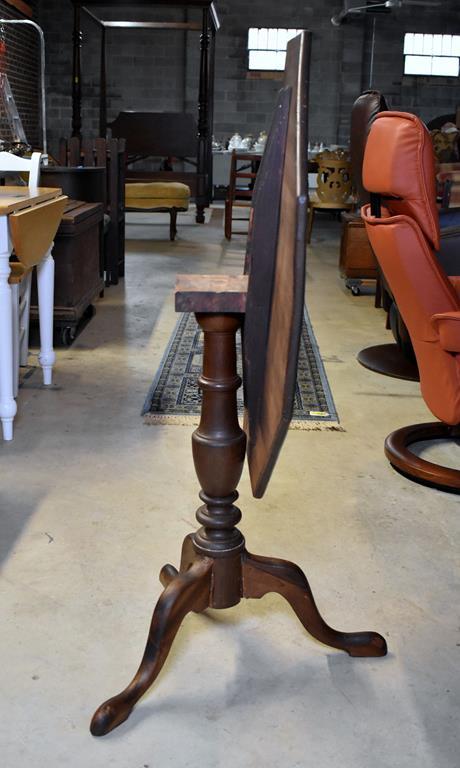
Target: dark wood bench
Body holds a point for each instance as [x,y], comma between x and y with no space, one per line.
[108,154]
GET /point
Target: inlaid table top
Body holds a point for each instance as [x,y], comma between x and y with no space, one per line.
[17,198]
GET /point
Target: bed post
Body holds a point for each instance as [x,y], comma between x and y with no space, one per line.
[76,73]
[202,199]
[103,87]
[212,69]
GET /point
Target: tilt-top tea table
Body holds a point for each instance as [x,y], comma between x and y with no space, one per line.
[216,570]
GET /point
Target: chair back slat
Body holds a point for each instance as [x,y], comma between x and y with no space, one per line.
[63,150]
[100,151]
[87,152]
[74,151]
[10,163]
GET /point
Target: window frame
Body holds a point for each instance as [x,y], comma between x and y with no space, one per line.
[258,32]
[432,50]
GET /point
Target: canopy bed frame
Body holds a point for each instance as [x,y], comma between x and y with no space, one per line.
[144,131]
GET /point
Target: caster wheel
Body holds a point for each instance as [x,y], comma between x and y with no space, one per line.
[355,290]
[67,336]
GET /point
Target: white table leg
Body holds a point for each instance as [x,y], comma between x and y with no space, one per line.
[25,320]
[45,285]
[7,402]
[16,332]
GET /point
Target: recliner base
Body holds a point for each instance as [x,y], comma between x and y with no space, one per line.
[414,467]
[389,360]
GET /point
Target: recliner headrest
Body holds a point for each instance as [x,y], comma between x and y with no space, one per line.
[363,114]
[399,163]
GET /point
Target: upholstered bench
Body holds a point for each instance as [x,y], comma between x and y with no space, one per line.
[158,197]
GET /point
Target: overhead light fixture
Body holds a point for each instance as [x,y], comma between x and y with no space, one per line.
[339,18]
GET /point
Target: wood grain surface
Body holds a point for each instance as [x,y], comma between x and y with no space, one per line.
[211,293]
[276,263]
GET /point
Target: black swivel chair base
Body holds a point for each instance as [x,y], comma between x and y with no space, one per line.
[388,360]
[417,469]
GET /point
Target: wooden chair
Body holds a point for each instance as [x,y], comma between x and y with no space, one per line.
[334,190]
[448,185]
[243,165]
[445,145]
[357,262]
[111,155]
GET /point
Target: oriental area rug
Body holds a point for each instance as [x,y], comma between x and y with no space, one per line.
[175,398]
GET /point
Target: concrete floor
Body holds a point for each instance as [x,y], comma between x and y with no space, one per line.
[93,503]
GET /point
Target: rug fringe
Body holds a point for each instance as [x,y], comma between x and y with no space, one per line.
[316,426]
[183,420]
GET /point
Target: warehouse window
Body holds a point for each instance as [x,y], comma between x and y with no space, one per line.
[267,47]
[431,54]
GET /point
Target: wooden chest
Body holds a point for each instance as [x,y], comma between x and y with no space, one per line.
[78,269]
[356,257]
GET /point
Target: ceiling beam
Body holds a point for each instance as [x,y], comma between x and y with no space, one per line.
[152,24]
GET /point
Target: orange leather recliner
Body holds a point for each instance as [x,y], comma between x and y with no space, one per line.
[403,227]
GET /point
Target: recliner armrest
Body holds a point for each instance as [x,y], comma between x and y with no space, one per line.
[447,326]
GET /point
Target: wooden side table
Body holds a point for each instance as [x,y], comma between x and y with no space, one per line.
[216,570]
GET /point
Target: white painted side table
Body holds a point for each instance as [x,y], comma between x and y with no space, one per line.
[12,201]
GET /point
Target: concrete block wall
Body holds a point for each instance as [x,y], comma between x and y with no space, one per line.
[428,97]
[246,104]
[22,68]
[56,19]
[158,70]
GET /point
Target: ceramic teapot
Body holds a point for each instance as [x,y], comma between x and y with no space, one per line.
[235,141]
[247,142]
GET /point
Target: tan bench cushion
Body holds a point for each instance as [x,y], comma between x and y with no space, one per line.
[157,194]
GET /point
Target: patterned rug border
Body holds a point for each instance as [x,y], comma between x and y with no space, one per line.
[327,423]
